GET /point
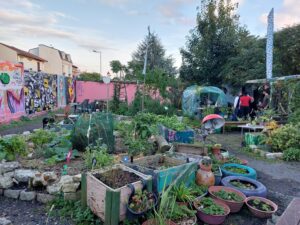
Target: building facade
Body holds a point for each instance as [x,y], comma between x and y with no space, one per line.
[58,62]
[15,55]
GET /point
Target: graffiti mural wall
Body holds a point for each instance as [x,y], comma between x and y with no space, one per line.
[11,91]
[40,91]
[70,90]
[61,91]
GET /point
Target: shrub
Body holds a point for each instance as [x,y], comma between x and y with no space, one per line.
[42,137]
[291,154]
[10,147]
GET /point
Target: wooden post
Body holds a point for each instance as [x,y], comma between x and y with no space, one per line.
[83,190]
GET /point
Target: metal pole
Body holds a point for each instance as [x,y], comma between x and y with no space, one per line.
[100,63]
[144,69]
[107,94]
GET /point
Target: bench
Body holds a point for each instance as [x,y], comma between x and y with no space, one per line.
[234,123]
[291,216]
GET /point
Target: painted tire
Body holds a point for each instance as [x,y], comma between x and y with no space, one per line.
[260,190]
[251,172]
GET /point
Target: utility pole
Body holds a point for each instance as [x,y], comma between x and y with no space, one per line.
[145,68]
[100,53]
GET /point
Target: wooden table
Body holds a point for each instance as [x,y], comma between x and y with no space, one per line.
[251,127]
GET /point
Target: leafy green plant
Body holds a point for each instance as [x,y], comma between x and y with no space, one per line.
[42,137]
[197,190]
[99,152]
[242,185]
[229,196]
[291,154]
[183,193]
[142,201]
[72,210]
[237,170]
[260,205]
[208,206]
[12,146]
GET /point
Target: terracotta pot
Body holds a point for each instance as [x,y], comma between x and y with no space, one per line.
[213,219]
[233,205]
[205,176]
[153,222]
[259,213]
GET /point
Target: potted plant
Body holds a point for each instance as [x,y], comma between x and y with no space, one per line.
[234,169]
[231,197]
[198,191]
[140,202]
[261,207]
[183,194]
[182,215]
[211,211]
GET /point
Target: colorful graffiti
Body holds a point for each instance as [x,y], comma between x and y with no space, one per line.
[70,90]
[61,91]
[11,91]
[40,91]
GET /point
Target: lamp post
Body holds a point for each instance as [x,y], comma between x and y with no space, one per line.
[100,60]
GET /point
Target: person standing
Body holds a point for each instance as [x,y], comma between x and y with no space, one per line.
[236,107]
[245,101]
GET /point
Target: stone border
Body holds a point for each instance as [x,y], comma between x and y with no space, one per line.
[268,155]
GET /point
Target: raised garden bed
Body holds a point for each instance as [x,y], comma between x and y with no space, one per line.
[186,136]
[108,193]
[164,169]
[233,169]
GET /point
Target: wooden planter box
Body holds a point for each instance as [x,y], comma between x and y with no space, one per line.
[107,203]
[164,177]
[185,157]
[191,149]
[186,136]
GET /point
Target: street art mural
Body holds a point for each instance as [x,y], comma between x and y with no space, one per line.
[11,91]
[40,91]
[61,91]
[70,90]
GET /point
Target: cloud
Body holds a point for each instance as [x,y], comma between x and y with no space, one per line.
[171,11]
[288,15]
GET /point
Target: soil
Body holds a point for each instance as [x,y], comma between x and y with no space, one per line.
[159,163]
[117,178]
[28,213]
[260,205]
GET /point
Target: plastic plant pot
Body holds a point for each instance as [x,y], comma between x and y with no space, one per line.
[233,205]
[251,173]
[213,219]
[260,189]
[259,213]
[218,176]
[224,153]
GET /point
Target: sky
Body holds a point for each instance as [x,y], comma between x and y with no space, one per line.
[116,27]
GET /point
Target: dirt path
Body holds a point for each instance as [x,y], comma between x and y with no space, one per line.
[27,213]
[282,179]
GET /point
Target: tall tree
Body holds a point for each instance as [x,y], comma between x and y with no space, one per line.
[156,60]
[211,43]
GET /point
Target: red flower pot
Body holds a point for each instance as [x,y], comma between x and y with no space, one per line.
[259,213]
[233,205]
[213,219]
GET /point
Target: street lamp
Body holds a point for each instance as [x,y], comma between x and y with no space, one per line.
[100,61]
[106,80]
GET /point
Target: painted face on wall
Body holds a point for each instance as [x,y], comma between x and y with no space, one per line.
[46,83]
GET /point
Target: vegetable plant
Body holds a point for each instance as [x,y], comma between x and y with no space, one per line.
[142,201]
[197,190]
[260,205]
[12,146]
[242,185]
[209,207]
[99,152]
[183,193]
[237,170]
[181,212]
[229,196]
[42,137]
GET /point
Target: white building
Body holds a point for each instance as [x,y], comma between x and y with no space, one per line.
[58,62]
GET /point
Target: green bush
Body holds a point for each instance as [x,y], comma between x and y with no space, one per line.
[291,154]
[42,137]
[10,147]
[285,137]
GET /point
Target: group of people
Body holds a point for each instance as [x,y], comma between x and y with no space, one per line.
[246,105]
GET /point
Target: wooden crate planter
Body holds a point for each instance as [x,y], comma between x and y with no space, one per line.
[107,203]
[186,136]
[191,149]
[163,177]
[185,157]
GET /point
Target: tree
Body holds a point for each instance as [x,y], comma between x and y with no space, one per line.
[211,43]
[156,59]
[117,67]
